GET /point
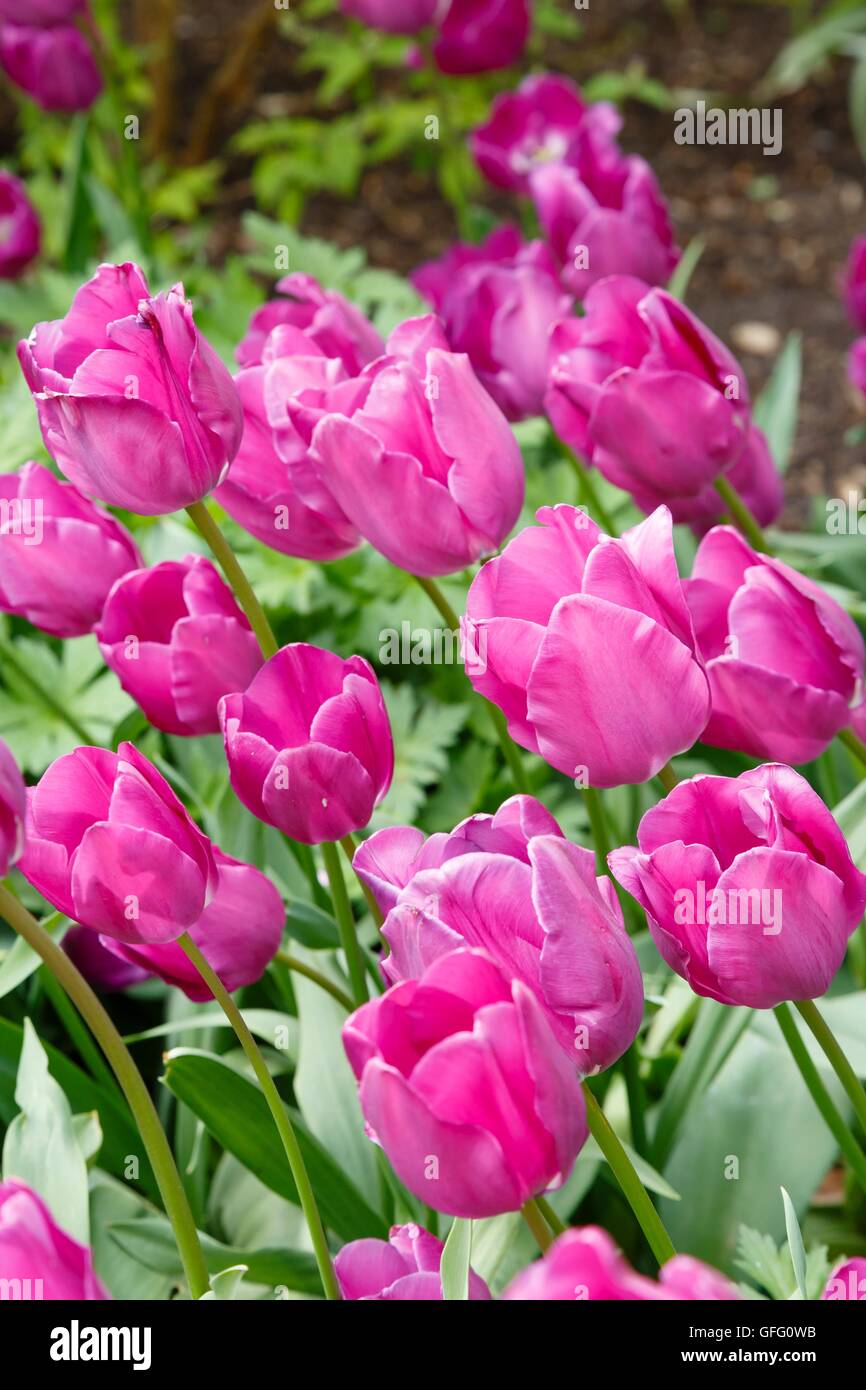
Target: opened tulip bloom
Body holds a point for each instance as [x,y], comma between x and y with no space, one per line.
[37,1255]
[323,316]
[586,1264]
[177,642]
[748,885]
[514,886]
[785,662]
[653,399]
[402,1269]
[42,523]
[238,934]
[589,649]
[53,65]
[135,406]
[498,303]
[20,235]
[423,462]
[465,1087]
[13,808]
[847,1283]
[394,16]
[110,845]
[309,743]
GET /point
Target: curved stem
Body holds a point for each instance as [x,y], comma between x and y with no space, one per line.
[278,1111]
[820,1095]
[827,1041]
[300,967]
[345,923]
[243,590]
[668,777]
[9,655]
[349,845]
[855,745]
[138,1097]
[588,491]
[531,1214]
[550,1216]
[633,1189]
[742,516]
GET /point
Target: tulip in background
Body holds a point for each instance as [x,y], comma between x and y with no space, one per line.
[586,1264]
[514,886]
[44,54]
[20,235]
[36,1253]
[424,465]
[465,1087]
[498,303]
[394,16]
[111,846]
[13,808]
[101,968]
[651,397]
[309,744]
[785,662]
[590,652]
[177,642]
[481,35]
[135,406]
[748,885]
[853,283]
[325,317]
[43,523]
[402,1269]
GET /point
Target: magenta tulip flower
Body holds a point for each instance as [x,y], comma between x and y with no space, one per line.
[424,465]
[853,284]
[13,808]
[111,846]
[514,886]
[657,403]
[106,972]
[402,1269]
[135,406]
[177,642]
[309,743]
[44,522]
[40,13]
[498,303]
[465,1087]
[36,1256]
[785,662]
[394,16]
[481,35]
[748,885]
[20,235]
[325,317]
[544,120]
[589,648]
[847,1283]
[238,933]
[53,65]
[586,1264]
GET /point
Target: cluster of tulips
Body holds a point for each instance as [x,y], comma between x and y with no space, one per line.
[507,975]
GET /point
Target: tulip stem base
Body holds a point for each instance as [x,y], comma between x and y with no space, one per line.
[349,846]
[668,777]
[741,515]
[138,1097]
[826,1040]
[278,1111]
[345,923]
[820,1095]
[855,745]
[243,589]
[300,967]
[531,1213]
[633,1189]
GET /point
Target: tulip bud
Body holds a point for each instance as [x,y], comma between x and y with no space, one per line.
[481,35]
[585,1264]
[38,1255]
[19,228]
[394,16]
[54,65]
[403,1268]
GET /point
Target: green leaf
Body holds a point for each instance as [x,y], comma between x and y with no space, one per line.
[424,731]
[225,1285]
[456,1257]
[150,1240]
[279,1030]
[679,281]
[126,1277]
[21,961]
[716,1031]
[235,1112]
[857,103]
[795,1244]
[88,1134]
[777,406]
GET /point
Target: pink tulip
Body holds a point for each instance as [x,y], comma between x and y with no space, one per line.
[55,66]
[543,121]
[589,648]
[423,464]
[857,364]
[586,1264]
[13,808]
[847,1283]
[657,403]
[42,14]
[498,303]
[748,885]
[853,283]
[402,1269]
[111,846]
[325,317]
[238,934]
[785,662]
[514,886]
[394,16]
[177,642]
[20,235]
[604,215]
[481,35]
[105,971]
[309,743]
[134,405]
[43,523]
[38,1259]
[465,1087]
